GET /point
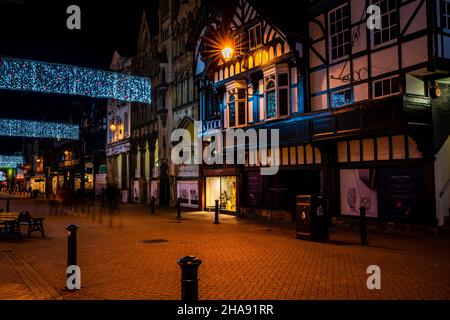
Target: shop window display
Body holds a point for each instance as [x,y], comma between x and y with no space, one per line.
[222,189]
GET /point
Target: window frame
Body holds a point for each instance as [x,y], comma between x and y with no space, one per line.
[239,46]
[232,100]
[237,113]
[382,87]
[349,89]
[346,45]
[444,24]
[268,90]
[372,32]
[253,31]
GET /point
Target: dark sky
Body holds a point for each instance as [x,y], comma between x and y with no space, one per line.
[37,30]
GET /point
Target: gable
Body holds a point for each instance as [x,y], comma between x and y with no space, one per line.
[245,13]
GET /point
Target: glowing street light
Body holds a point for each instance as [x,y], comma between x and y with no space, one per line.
[227,53]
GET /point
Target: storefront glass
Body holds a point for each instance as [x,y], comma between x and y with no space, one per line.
[222,189]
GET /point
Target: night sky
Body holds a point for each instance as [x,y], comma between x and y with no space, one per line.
[36,29]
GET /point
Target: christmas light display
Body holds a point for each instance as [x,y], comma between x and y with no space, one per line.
[26,75]
[38,129]
[10,162]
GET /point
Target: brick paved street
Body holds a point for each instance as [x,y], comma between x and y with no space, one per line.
[241,260]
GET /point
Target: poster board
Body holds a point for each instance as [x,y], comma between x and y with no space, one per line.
[357,188]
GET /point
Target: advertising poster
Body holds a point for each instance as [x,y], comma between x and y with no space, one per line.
[358,189]
[254,188]
[188,192]
[401,193]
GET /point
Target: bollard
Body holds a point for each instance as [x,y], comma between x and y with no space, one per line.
[189,277]
[216,213]
[363,233]
[179,208]
[7,204]
[72,245]
[152,205]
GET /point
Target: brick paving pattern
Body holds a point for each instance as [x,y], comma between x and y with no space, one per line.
[242,259]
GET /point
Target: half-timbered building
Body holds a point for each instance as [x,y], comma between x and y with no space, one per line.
[354,104]
[371,91]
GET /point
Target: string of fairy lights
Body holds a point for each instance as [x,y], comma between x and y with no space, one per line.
[10,162]
[38,129]
[36,76]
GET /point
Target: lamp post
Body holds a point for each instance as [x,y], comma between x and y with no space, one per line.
[227,53]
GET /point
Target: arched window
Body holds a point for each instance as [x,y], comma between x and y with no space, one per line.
[232,108]
[163,76]
[271,100]
[185,91]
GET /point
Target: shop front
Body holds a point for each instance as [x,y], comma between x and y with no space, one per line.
[221,184]
[388,176]
[37,183]
[273,197]
[188,186]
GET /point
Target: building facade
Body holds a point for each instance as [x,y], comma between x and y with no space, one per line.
[354,126]
[118,135]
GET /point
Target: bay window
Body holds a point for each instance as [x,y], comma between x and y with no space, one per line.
[271,100]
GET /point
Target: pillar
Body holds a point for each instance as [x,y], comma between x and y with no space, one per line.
[143,180]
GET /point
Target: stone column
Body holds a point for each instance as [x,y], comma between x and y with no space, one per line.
[124,178]
[143,180]
[132,163]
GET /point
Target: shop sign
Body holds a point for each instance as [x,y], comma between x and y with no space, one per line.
[402,192]
[122,148]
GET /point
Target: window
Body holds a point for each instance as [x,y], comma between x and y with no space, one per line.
[241,107]
[185,91]
[341,98]
[240,44]
[388,29]
[256,98]
[445,14]
[254,35]
[179,94]
[386,87]
[283,94]
[232,107]
[339,32]
[125,124]
[271,100]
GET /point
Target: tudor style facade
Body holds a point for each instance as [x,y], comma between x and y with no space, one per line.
[371,92]
[354,125]
[260,86]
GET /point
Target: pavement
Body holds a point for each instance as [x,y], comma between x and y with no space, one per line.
[131,254]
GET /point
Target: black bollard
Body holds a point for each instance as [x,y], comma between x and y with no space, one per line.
[72,245]
[363,232]
[216,213]
[152,205]
[189,277]
[7,204]
[179,208]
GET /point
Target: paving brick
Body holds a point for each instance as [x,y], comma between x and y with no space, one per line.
[241,259]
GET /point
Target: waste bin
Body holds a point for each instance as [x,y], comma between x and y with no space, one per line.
[312,219]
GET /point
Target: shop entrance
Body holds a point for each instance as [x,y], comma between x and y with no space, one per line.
[222,189]
[278,192]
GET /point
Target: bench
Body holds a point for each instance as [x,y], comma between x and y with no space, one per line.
[34,224]
[9,228]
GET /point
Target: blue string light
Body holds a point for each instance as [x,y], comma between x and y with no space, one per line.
[10,162]
[38,129]
[26,75]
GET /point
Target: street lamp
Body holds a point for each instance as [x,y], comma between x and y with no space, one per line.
[227,53]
